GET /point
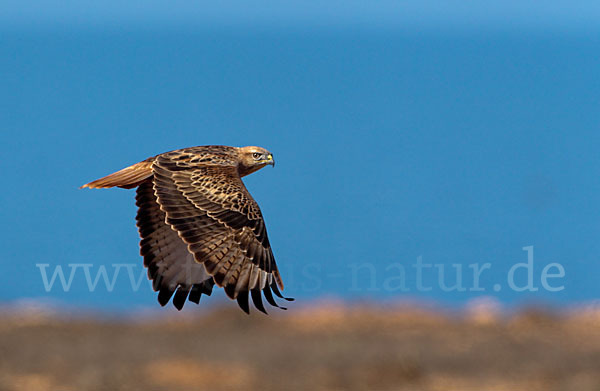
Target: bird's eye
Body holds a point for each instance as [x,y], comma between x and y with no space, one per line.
[256,155]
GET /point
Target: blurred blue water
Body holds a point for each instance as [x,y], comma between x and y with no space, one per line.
[461,148]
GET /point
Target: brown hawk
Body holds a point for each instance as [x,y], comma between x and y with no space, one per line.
[199,225]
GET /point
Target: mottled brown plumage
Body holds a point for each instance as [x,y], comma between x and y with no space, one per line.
[200,226]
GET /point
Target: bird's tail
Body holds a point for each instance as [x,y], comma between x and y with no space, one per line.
[126,178]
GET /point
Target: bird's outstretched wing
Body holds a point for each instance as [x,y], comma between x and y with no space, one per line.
[211,210]
[171,267]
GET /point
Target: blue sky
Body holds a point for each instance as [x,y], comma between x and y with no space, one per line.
[412,14]
[460,143]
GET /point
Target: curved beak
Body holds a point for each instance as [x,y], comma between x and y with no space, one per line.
[270,160]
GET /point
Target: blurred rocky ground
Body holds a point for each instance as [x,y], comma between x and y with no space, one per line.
[329,346]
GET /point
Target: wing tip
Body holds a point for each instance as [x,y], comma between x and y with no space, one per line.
[181,296]
[242,299]
[257,300]
[275,290]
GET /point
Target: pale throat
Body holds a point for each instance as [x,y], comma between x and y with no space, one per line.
[247,170]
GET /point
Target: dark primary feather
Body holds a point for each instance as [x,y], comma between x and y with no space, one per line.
[181,296]
[257,300]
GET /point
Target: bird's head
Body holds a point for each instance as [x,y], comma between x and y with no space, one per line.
[253,159]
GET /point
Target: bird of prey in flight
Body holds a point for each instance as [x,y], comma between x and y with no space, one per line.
[199,225]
